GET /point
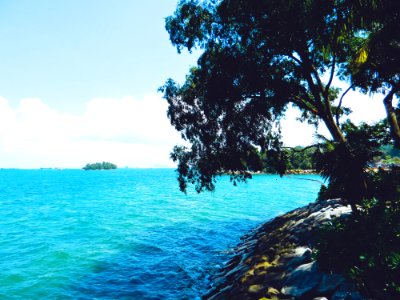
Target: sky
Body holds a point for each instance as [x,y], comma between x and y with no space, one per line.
[79,80]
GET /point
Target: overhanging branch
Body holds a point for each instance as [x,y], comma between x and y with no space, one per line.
[337,112]
[302,149]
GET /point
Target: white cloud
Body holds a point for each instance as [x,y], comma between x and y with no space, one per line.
[128,131]
[365,108]
[294,132]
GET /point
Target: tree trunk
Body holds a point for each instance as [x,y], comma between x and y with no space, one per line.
[357,189]
[392,118]
[334,130]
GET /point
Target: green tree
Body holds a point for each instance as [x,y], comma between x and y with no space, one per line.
[100,166]
[259,57]
[374,63]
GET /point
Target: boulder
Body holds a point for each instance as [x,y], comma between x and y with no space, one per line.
[302,280]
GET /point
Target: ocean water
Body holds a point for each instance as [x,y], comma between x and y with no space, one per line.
[127,233]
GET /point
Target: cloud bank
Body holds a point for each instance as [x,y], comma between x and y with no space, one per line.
[126,131]
[129,132]
[365,108]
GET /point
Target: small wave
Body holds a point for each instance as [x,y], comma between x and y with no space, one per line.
[144,248]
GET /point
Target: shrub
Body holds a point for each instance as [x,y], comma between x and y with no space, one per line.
[366,248]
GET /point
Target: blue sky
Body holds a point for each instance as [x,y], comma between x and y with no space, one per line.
[79,80]
[69,51]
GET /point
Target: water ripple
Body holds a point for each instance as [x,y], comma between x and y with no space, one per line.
[125,234]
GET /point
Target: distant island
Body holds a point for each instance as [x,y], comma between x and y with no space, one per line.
[100,166]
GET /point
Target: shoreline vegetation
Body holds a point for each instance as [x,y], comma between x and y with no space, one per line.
[301,160]
[320,251]
[290,172]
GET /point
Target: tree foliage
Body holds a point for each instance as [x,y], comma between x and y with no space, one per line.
[374,63]
[260,57]
[296,158]
[367,248]
[100,166]
[250,70]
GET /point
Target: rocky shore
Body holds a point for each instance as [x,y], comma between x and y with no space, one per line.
[275,260]
[301,172]
[290,172]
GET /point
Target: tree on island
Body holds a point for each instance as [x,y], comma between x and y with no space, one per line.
[261,57]
[100,166]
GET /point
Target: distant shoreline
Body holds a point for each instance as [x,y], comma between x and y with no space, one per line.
[289,172]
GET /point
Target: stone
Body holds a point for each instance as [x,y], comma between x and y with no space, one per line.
[301,280]
[238,269]
[301,251]
[263,265]
[299,256]
[273,261]
[346,291]
[226,288]
[323,217]
[219,294]
[329,283]
[347,295]
[272,291]
[342,210]
[256,288]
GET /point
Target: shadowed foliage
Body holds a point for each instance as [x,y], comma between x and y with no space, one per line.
[259,57]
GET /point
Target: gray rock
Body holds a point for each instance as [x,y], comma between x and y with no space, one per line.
[342,210]
[256,288]
[329,283]
[301,251]
[302,280]
[346,291]
[299,256]
[347,295]
[238,269]
[324,217]
[294,274]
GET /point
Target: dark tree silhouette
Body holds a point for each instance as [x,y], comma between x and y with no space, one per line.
[260,57]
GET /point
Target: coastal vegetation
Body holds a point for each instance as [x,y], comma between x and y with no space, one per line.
[100,166]
[304,159]
[261,57]
[390,155]
[297,158]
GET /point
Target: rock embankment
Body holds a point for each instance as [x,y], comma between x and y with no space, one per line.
[300,172]
[275,260]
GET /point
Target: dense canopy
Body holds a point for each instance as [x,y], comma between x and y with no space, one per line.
[260,57]
[100,166]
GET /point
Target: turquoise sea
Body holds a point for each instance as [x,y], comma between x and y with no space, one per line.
[128,233]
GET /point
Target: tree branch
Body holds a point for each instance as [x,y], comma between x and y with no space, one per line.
[306,105]
[302,149]
[334,47]
[295,59]
[323,105]
[328,85]
[308,70]
[340,103]
[391,116]
[319,81]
